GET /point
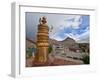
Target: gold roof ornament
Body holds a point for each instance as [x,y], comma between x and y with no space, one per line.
[42,20]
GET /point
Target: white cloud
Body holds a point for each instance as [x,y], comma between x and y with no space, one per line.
[85,34]
[84,37]
[77,21]
[66,21]
[73,36]
[56,37]
[73,21]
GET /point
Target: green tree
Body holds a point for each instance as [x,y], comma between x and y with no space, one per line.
[86,59]
[50,49]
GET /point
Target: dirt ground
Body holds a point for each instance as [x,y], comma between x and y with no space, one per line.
[51,62]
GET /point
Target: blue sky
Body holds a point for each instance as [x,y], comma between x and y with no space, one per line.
[74,26]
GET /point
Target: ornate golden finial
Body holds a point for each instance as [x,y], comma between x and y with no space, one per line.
[44,20]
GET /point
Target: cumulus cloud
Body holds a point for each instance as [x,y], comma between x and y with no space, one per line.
[73,22]
[73,36]
[67,21]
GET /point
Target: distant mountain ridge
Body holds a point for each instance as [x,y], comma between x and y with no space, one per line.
[68,40]
[30,40]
